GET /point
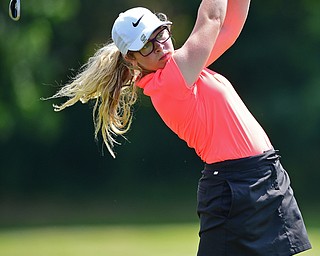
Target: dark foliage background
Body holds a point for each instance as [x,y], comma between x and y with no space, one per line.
[51,168]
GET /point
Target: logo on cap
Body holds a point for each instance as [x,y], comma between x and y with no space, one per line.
[143,38]
[135,24]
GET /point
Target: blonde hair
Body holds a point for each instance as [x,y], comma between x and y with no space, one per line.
[108,79]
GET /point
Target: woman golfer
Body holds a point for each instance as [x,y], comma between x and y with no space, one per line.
[245,203]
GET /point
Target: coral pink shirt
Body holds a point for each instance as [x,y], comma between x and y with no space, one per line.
[209,116]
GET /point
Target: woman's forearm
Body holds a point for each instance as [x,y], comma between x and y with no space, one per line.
[236,16]
[237,13]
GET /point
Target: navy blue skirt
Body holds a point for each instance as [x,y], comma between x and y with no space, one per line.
[247,207]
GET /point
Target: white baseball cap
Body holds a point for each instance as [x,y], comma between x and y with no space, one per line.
[132,29]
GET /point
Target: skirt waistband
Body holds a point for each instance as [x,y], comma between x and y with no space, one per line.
[245,163]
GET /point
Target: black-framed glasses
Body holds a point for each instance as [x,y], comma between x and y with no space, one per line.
[161,37]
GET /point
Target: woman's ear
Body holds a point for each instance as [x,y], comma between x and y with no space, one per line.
[130,58]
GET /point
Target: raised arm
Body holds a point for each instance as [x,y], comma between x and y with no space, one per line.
[237,12]
[194,54]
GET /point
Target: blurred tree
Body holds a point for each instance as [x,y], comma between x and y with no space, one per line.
[28,60]
[274,65]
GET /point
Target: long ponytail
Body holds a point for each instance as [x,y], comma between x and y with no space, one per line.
[108,80]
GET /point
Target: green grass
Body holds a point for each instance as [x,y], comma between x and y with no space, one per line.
[111,240]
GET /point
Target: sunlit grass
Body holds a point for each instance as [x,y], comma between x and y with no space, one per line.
[148,240]
[314,235]
[120,240]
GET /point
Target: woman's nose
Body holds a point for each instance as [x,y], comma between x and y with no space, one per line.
[158,46]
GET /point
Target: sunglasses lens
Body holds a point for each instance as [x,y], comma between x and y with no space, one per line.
[147,49]
[14,9]
[161,38]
